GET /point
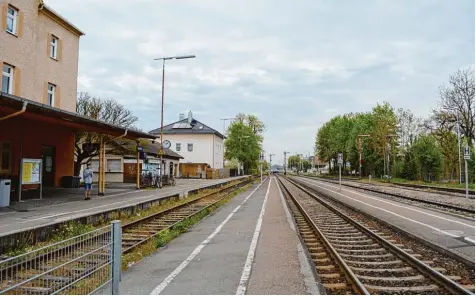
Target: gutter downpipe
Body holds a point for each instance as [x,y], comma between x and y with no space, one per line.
[23,109]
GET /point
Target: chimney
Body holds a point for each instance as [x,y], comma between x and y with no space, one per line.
[181,116]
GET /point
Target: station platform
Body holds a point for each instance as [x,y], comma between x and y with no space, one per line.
[455,234]
[37,213]
[249,246]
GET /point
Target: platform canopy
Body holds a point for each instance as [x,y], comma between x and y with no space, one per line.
[34,110]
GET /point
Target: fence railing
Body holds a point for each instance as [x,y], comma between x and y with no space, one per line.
[81,265]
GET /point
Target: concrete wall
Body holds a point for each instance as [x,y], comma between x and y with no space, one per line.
[28,52]
[207,148]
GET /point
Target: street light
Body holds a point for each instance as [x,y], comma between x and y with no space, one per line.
[285,164]
[161,152]
[360,153]
[459,142]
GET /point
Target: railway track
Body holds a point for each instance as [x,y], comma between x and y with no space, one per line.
[79,259]
[434,204]
[416,187]
[351,258]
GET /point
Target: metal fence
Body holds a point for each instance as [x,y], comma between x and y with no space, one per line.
[84,264]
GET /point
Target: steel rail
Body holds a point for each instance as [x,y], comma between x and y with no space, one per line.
[433,274]
[435,203]
[352,279]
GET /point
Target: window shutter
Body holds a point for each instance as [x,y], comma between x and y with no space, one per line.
[57,97]
[20,24]
[45,93]
[48,40]
[4,8]
[17,81]
[60,49]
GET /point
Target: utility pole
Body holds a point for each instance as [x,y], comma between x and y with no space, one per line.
[285,164]
[386,158]
[467,156]
[359,147]
[270,156]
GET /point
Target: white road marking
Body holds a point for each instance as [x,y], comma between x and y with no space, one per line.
[308,277]
[390,212]
[469,239]
[245,275]
[199,248]
[388,202]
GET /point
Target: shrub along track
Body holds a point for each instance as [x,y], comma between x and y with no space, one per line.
[354,256]
[136,234]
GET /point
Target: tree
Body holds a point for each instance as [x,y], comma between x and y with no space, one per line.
[428,157]
[294,161]
[410,127]
[457,99]
[108,111]
[243,144]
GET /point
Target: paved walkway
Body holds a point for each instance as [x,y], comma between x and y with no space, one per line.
[38,216]
[247,247]
[450,232]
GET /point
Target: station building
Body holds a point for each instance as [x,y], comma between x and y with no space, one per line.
[39,52]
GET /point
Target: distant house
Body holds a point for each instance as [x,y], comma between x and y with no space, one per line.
[200,145]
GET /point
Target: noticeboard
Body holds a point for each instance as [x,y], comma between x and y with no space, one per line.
[31,171]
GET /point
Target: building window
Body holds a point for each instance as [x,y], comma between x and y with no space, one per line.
[178,146]
[7,79]
[5,157]
[12,15]
[94,165]
[114,165]
[51,94]
[54,47]
[190,147]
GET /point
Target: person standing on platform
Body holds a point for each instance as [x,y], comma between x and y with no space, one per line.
[88,181]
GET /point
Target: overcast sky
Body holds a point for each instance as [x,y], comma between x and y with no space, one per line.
[294,64]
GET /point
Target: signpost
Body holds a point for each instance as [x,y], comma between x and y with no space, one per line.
[340,162]
[467,156]
[31,173]
[261,160]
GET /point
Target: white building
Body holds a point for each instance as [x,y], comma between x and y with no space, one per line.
[195,141]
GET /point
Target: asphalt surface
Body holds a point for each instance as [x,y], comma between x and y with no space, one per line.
[447,231]
[217,256]
[11,222]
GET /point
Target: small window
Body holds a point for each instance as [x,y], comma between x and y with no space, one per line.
[12,15]
[5,157]
[7,79]
[114,165]
[51,94]
[190,147]
[54,47]
[177,147]
[94,165]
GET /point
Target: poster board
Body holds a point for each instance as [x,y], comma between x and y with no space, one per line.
[31,171]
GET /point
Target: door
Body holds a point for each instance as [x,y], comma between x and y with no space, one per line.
[48,156]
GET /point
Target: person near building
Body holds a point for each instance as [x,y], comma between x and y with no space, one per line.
[88,181]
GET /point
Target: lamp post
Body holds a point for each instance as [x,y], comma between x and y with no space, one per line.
[285,164]
[161,152]
[360,153]
[270,156]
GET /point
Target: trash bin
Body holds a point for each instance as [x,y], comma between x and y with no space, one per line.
[5,185]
